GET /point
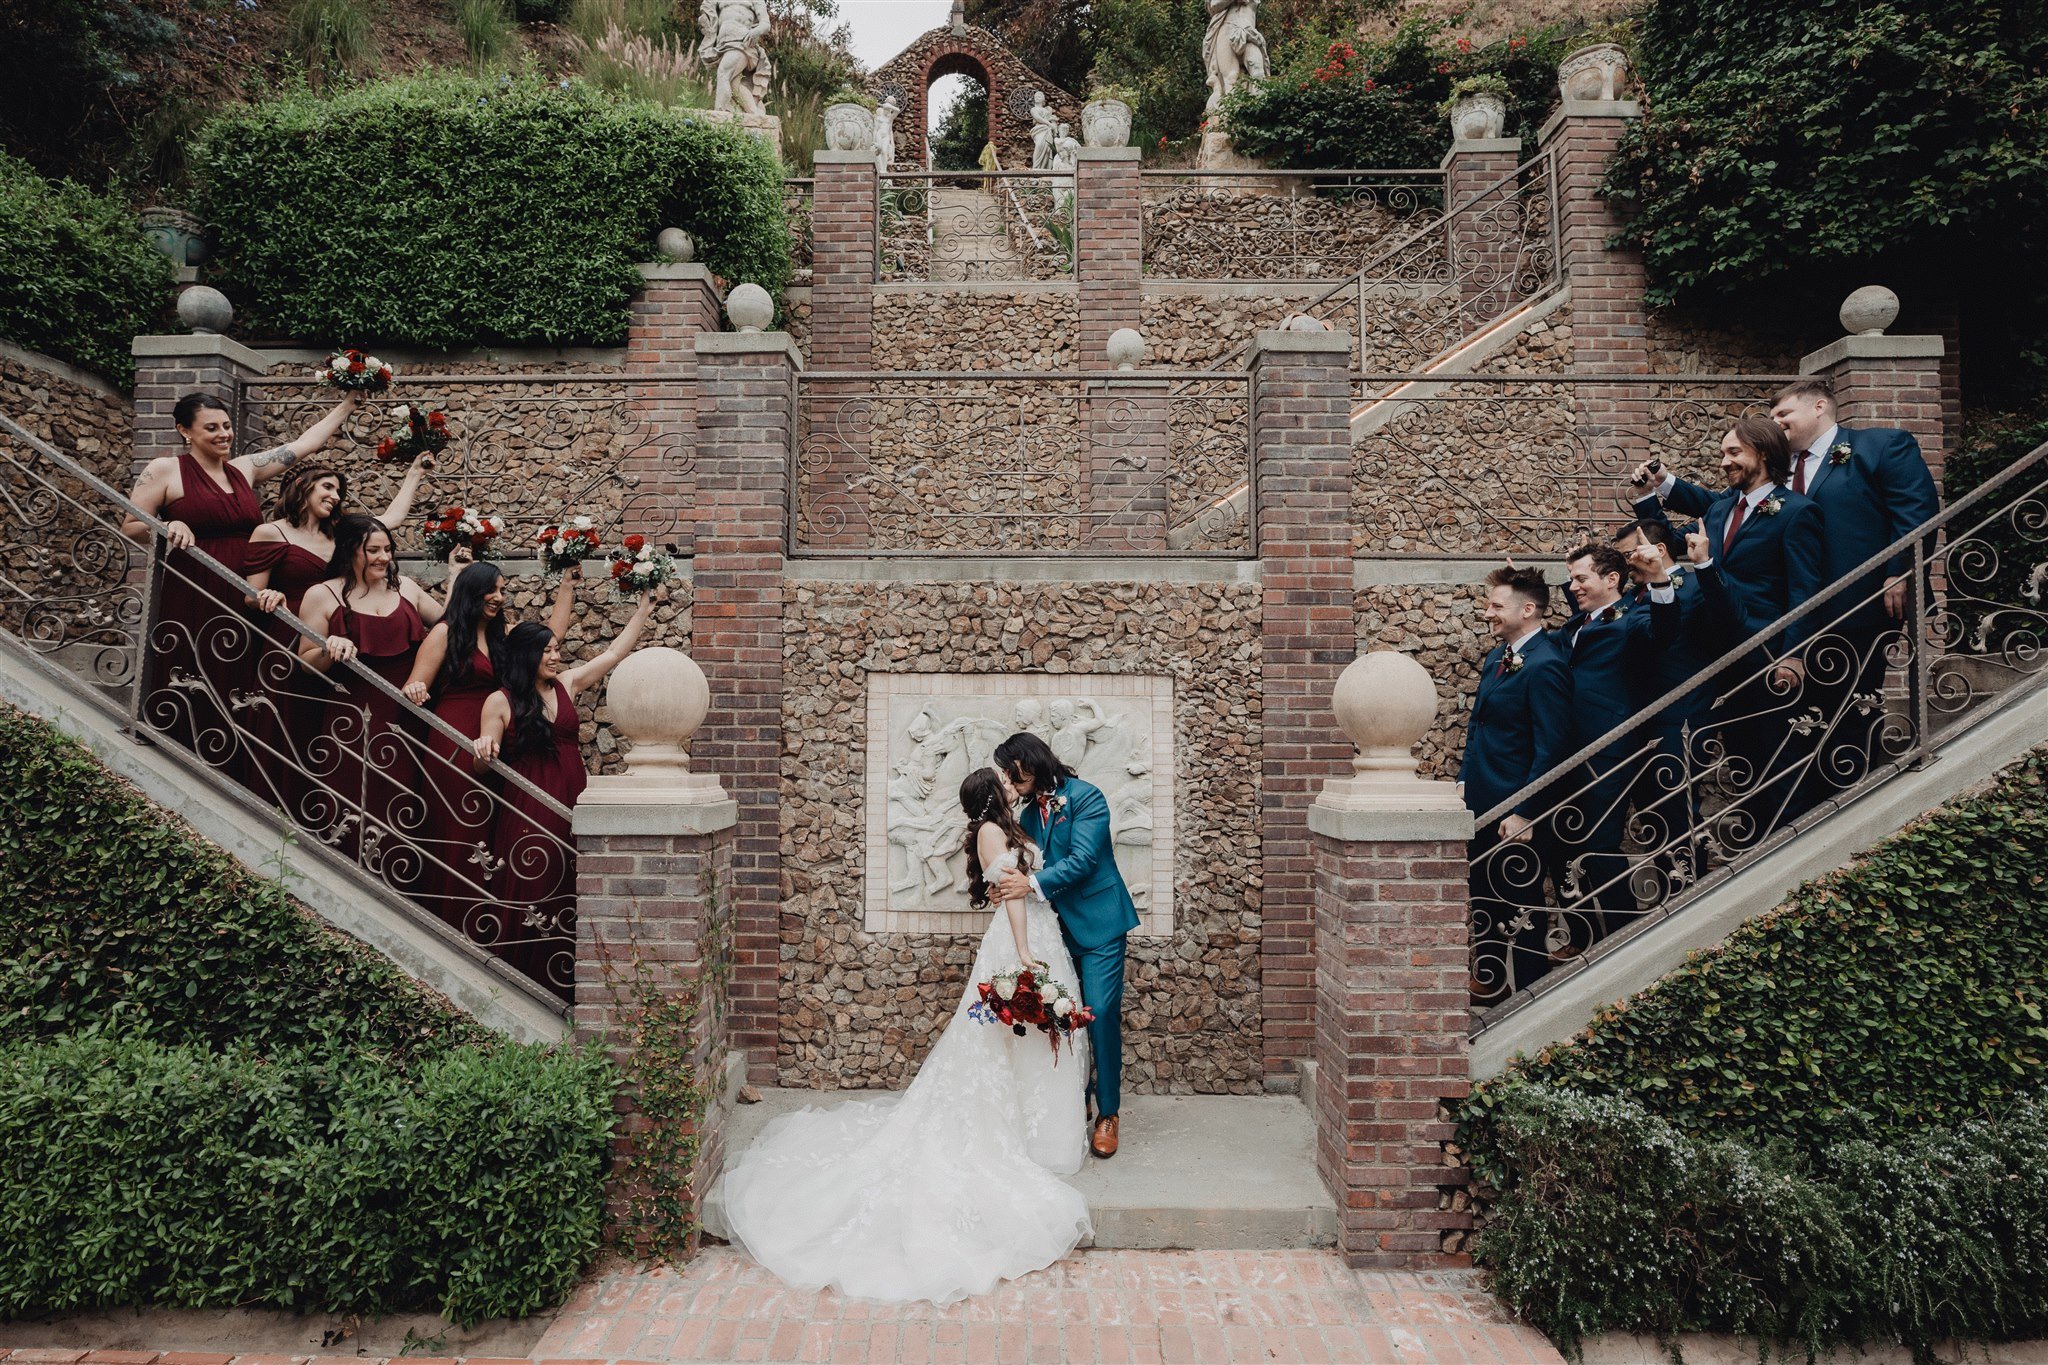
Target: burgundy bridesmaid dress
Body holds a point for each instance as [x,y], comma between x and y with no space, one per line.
[296,697]
[537,873]
[200,655]
[462,804]
[367,754]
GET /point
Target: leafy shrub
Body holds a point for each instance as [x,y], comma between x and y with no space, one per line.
[77,279]
[136,1173]
[77,77]
[449,211]
[1903,991]
[125,919]
[1611,1219]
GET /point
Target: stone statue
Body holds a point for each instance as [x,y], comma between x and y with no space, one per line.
[1066,155]
[732,32]
[1044,128]
[885,134]
[1233,48]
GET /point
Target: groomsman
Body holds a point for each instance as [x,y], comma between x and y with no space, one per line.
[1518,730]
[1873,488]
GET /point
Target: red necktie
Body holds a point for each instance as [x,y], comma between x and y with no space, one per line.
[1045,810]
[1799,472]
[1734,523]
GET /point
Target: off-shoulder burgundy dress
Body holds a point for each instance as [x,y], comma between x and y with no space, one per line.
[296,698]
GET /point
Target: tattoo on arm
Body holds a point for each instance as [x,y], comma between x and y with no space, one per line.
[282,456]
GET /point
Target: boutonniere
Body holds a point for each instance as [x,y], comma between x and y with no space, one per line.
[1771,506]
[1677,576]
[1058,804]
[1511,662]
[1839,453]
[1609,613]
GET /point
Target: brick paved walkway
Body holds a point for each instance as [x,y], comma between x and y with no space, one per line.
[1175,1307]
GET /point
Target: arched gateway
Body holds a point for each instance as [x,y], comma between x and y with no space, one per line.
[961,49]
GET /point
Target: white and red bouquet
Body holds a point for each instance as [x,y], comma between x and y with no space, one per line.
[355,372]
[637,567]
[425,433]
[455,527]
[566,543]
[1027,999]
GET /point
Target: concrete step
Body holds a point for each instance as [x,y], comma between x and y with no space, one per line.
[1195,1172]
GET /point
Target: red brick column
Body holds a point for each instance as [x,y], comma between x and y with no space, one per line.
[1109,222]
[675,303]
[1301,500]
[1392,945]
[1483,254]
[169,367]
[1889,381]
[844,253]
[745,424]
[654,922]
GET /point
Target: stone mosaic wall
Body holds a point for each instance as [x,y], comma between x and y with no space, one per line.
[1268,228]
[859,1009]
[969,330]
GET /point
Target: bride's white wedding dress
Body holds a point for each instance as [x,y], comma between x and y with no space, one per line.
[946,1189]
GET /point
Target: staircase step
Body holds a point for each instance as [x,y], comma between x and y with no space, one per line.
[1195,1172]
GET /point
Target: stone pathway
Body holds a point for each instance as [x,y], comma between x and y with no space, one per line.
[1173,1307]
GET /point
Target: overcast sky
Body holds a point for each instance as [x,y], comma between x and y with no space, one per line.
[883,28]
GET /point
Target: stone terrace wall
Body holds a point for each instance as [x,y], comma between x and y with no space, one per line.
[861,1009]
[1271,228]
[81,415]
[935,329]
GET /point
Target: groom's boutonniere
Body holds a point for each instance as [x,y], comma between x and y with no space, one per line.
[1771,506]
[1057,804]
[1839,453]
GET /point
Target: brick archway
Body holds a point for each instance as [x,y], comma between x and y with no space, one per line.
[973,52]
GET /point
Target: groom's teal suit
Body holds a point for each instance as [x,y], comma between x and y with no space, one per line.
[1088,893]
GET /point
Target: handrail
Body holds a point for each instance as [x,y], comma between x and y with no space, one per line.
[1015,203]
[360,672]
[1746,652]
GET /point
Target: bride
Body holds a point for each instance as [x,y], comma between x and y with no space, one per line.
[942,1191]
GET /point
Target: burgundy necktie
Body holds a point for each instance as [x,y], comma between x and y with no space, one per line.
[1734,523]
[1799,472]
[1044,809]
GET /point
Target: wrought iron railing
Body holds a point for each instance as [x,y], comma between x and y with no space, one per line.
[1492,464]
[1006,462]
[956,227]
[527,448]
[1277,225]
[1830,701]
[799,195]
[355,767]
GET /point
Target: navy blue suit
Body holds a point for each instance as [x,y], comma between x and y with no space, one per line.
[1699,627]
[1777,561]
[1875,497]
[1519,729]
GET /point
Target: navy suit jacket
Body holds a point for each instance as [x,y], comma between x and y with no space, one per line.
[1612,663]
[1874,498]
[1777,561]
[1519,728]
[1704,630]
[1080,876]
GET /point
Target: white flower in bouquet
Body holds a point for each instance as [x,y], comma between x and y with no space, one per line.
[1006,985]
[402,413]
[1064,1006]
[582,523]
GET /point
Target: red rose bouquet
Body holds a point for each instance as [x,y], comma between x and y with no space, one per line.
[353,371]
[458,526]
[638,566]
[1030,998]
[425,433]
[566,543]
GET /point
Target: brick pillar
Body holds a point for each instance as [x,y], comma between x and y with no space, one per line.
[833,509]
[746,396]
[169,367]
[1392,1039]
[1608,324]
[1484,255]
[1109,220]
[1889,381]
[654,912]
[675,303]
[1301,502]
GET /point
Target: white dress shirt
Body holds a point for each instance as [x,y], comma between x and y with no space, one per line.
[1811,460]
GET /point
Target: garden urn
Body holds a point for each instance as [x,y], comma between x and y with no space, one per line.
[849,127]
[1478,117]
[1106,123]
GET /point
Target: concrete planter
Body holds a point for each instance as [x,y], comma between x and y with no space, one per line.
[1106,123]
[1478,117]
[176,233]
[849,128]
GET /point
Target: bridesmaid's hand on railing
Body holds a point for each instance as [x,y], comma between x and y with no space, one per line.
[416,693]
[179,536]
[268,600]
[340,647]
[485,748]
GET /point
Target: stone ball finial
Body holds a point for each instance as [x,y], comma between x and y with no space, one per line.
[750,308]
[1126,348]
[1869,310]
[657,698]
[676,244]
[1302,322]
[205,309]
[1385,702]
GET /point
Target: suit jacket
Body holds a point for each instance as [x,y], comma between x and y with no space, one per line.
[1612,663]
[1872,499]
[1776,562]
[1520,725]
[1705,628]
[1080,875]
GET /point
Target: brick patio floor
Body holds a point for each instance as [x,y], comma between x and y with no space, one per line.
[1164,1306]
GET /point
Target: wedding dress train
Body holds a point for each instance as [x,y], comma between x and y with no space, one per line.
[946,1189]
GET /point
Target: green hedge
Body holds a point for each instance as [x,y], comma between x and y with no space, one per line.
[1906,990]
[1614,1220]
[134,1173]
[449,211]
[124,919]
[77,278]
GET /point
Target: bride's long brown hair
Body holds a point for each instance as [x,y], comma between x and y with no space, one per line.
[983,798]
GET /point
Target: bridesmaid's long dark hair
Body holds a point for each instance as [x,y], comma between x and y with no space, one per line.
[351,533]
[518,665]
[465,610]
[983,798]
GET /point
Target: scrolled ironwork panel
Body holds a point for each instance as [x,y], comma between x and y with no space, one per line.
[963,227]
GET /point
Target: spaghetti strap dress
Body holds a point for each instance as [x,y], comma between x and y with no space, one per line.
[537,856]
[368,753]
[295,698]
[462,808]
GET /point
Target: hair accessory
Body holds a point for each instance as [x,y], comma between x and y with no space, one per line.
[306,475]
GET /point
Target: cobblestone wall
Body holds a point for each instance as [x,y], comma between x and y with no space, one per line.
[1272,227]
[862,1010]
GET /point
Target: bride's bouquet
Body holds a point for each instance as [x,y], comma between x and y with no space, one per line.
[1026,999]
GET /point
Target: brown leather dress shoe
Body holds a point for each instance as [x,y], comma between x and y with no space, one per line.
[1103,1141]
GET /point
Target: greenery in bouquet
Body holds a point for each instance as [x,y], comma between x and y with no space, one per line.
[422,431]
[355,372]
[638,567]
[454,528]
[566,543]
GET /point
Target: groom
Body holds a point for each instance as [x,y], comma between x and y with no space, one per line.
[1069,821]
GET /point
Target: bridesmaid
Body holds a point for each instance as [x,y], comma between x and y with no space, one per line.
[454,683]
[290,553]
[365,759]
[199,651]
[531,723]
